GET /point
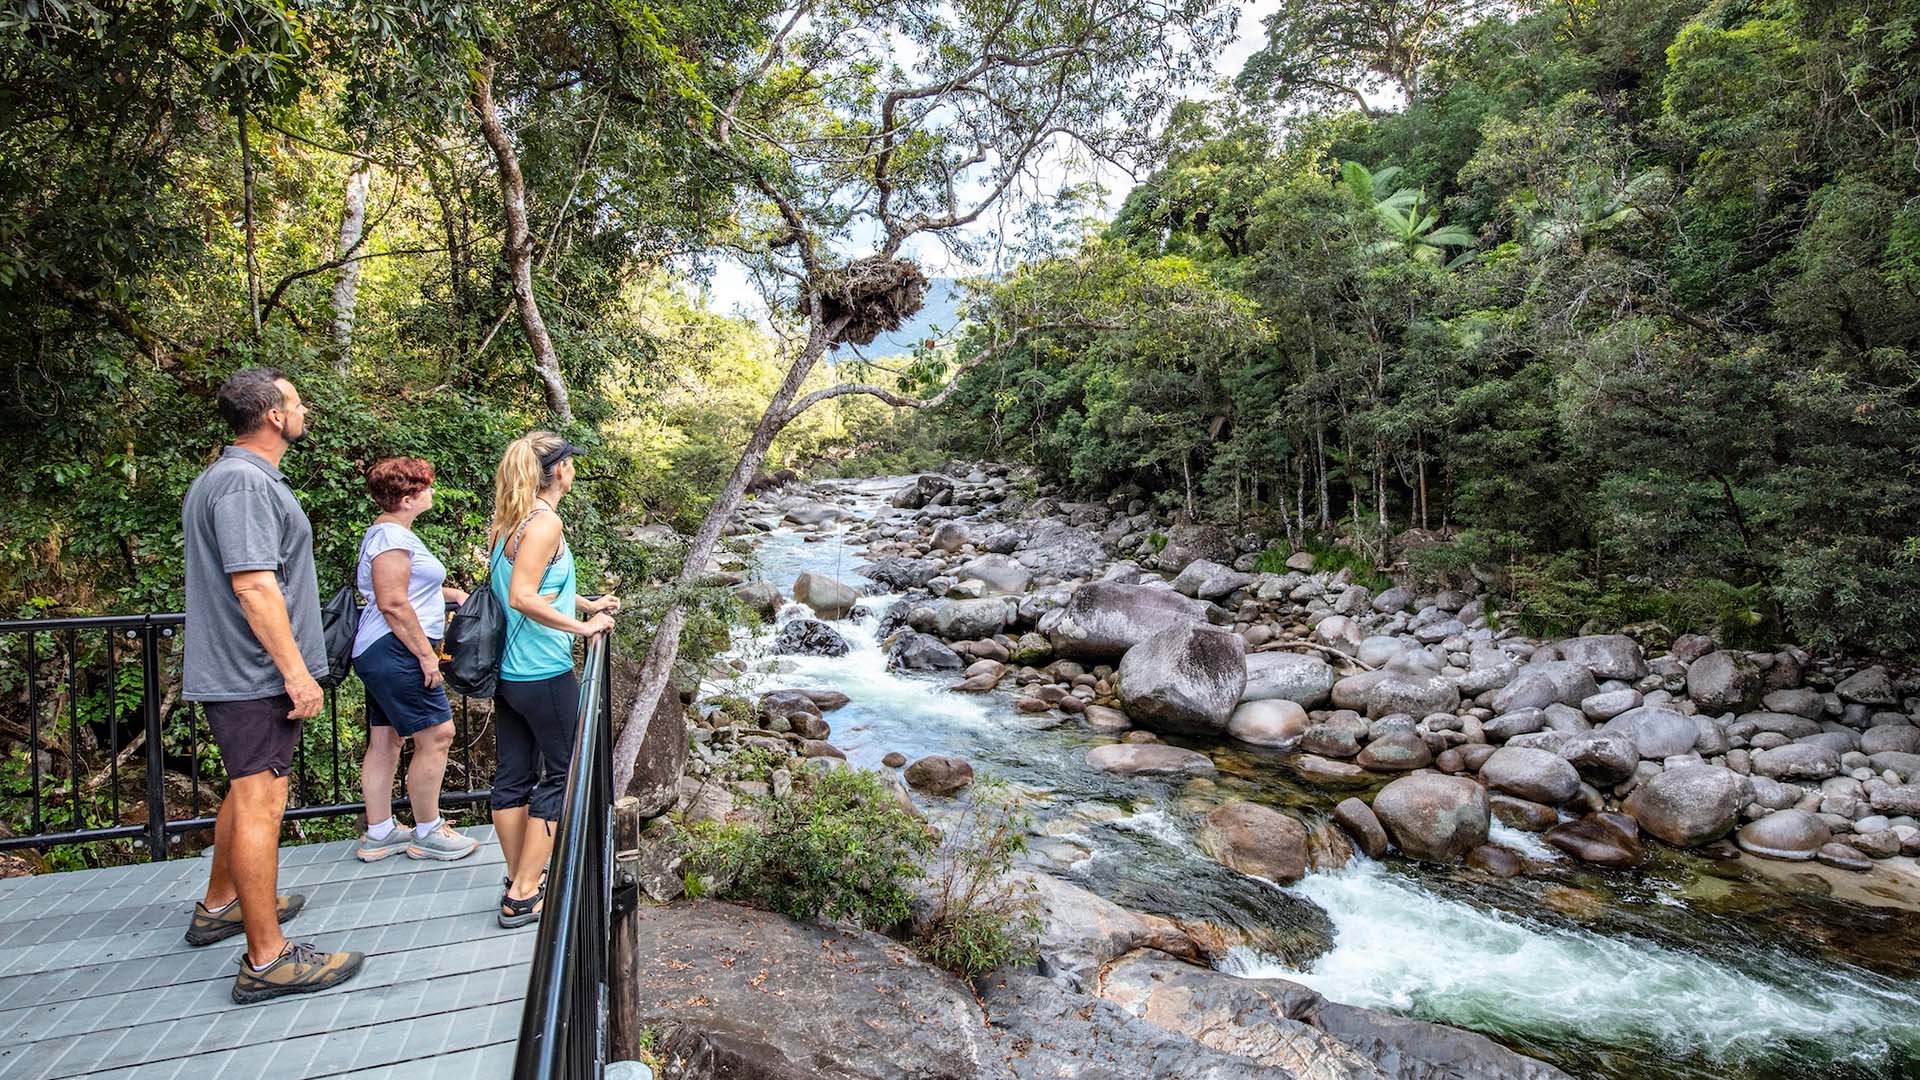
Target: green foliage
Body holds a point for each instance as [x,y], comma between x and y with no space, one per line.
[837,847]
[981,919]
[1685,352]
[1557,596]
[1327,558]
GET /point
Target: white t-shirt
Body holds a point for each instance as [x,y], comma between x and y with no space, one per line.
[423,584]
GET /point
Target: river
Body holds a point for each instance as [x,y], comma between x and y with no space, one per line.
[1684,967]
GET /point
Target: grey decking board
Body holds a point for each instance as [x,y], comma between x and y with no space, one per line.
[96,981]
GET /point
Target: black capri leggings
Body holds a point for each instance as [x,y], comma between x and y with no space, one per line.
[533,742]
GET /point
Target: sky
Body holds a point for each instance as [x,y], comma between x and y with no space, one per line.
[731,291]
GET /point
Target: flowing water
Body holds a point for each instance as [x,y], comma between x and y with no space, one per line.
[1685,967]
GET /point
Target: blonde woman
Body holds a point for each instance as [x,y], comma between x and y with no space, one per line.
[538,697]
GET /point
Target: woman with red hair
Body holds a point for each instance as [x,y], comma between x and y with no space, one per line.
[397,655]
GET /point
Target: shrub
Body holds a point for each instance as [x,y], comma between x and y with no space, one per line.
[1558,596]
[981,919]
[836,847]
[1329,558]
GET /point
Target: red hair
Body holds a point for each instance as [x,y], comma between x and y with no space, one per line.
[396,478]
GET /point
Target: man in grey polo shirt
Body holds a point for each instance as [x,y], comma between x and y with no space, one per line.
[253,651]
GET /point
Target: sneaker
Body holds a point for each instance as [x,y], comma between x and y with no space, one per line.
[301,969]
[371,850]
[445,844]
[208,927]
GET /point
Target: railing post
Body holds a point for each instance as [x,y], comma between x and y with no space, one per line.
[156,757]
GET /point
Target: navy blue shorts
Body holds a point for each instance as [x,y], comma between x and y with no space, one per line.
[397,696]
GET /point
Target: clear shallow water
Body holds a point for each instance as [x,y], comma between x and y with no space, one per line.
[1684,968]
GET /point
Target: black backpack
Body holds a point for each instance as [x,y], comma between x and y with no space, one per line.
[476,639]
[339,623]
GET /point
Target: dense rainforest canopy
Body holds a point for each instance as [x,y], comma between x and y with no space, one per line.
[1615,305]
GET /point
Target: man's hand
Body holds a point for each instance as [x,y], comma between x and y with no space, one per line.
[306,696]
[430,671]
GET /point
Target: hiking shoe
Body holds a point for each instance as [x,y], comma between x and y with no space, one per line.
[371,850]
[445,844]
[208,927]
[301,969]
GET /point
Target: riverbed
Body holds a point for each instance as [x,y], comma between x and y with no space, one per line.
[1683,967]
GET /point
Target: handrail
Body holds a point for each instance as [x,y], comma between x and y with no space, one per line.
[563,1024]
[72,667]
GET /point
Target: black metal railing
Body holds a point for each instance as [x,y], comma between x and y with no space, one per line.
[563,1025]
[90,693]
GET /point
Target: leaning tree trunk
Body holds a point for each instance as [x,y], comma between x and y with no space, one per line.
[656,671]
[519,246]
[346,287]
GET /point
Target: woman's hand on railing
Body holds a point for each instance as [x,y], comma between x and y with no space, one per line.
[599,624]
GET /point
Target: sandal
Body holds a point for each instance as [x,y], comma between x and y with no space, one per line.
[521,912]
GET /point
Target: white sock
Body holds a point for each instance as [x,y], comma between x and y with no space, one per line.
[421,829]
[221,908]
[382,830]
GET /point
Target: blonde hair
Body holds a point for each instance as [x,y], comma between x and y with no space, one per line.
[518,479]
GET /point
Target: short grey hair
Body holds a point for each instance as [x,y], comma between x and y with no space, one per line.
[247,395]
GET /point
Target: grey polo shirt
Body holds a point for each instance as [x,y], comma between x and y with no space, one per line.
[240,514]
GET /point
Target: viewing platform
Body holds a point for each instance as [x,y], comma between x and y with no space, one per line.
[96,979]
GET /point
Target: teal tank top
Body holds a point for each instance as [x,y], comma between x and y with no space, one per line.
[534,651]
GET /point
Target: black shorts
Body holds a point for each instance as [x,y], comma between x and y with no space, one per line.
[254,736]
[397,695]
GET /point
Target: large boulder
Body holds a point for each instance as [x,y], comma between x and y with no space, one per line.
[1184,678]
[1397,751]
[814,513]
[1149,759]
[663,753]
[1363,825]
[1204,579]
[1047,1031]
[961,620]
[809,637]
[1405,1048]
[1304,680]
[1871,687]
[1433,817]
[1405,685]
[1656,733]
[1723,682]
[1540,776]
[1602,758]
[1102,620]
[1186,543]
[1549,682]
[1797,761]
[1689,805]
[822,1002]
[930,489]
[759,596]
[1060,550]
[828,598]
[912,651]
[1080,931]
[1256,840]
[1793,835]
[1606,656]
[1604,839]
[1002,575]
[1276,723]
[900,573]
[1254,1019]
[939,774]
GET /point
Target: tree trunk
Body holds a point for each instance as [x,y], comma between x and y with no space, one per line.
[346,287]
[519,246]
[1320,462]
[1420,451]
[246,209]
[656,671]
